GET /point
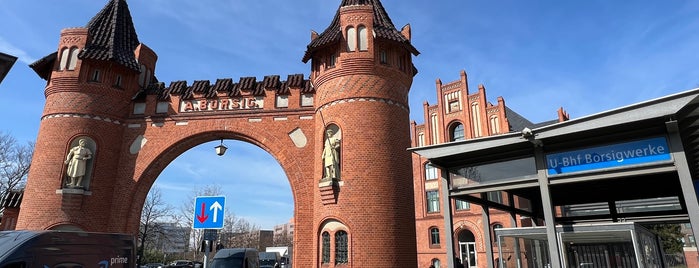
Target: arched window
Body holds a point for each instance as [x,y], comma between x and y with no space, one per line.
[435,128]
[341,250]
[326,248]
[64,59]
[73,58]
[434,236]
[476,118]
[436,263]
[495,124]
[363,38]
[457,133]
[351,39]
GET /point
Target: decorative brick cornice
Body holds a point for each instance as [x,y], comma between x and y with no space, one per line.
[86,116]
[350,100]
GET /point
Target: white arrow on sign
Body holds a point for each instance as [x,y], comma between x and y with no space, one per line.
[215,207]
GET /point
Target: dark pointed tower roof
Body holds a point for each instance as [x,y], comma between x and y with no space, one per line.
[112,36]
[383,26]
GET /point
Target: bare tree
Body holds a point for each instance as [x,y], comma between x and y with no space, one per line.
[240,233]
[14,163]
[283,239]
[155,212]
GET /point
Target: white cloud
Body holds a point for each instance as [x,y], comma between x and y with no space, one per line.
[21,55]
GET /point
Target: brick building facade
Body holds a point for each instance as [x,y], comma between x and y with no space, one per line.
[459,115]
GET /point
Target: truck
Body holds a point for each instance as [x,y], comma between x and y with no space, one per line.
[270,260]
[46,248]
[285,253]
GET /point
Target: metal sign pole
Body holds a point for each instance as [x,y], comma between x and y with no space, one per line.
[206,253]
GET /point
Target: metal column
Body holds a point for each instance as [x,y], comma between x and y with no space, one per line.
[551,236]
[685,176]
[446,211]
[488,239]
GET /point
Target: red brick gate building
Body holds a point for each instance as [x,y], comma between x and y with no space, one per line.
[109,127]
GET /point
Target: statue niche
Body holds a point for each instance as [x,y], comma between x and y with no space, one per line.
[79,163]
[331,153]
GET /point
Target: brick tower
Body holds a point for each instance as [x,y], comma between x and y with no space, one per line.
[92,78]
[362,70]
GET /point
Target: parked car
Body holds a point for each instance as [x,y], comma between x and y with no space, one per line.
[181,264]
[154,265]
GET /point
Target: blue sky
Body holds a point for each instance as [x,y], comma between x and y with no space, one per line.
[585,56]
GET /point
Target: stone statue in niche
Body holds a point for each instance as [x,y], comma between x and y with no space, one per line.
[77,163]
[331,156]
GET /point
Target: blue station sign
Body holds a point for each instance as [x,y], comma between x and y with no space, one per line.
[208,212]
[609,156]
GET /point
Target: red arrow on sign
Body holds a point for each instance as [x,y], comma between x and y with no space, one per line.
[202,218]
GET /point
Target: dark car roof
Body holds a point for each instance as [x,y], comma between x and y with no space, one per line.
[21,240]
[233,252]
[9,240]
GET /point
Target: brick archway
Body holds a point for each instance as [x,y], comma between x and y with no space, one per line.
[108,92]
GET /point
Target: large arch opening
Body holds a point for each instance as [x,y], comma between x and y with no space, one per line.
[259,199]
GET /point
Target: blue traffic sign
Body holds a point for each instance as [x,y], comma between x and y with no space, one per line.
[208,212]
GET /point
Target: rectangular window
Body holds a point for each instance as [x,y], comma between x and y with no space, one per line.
[139,108]
[454,106]
[383,57]
[307,100]
[117,81]
[462,205]
[282,101]
[162,107]
[332,60]
[431,172]
[432,201]
[495,196]
[96,75]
